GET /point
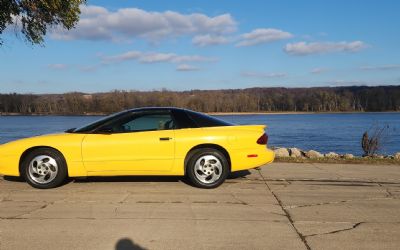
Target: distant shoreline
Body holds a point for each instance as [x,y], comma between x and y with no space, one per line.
[213,113]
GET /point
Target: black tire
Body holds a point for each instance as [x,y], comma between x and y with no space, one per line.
[59,176]
[199,155]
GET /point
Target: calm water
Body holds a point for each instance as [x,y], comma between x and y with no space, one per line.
[323,132]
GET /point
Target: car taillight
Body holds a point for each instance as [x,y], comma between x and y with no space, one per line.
[263,140]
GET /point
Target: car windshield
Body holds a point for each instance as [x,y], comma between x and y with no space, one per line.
[91,126]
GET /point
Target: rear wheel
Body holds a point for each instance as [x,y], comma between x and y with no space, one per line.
[207,168]
[44,168]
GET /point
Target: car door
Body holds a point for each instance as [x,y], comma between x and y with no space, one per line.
[138,141]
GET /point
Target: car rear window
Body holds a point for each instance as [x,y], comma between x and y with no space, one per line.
[203,120]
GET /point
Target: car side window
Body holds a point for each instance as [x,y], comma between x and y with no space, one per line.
[142,122]
[149,122]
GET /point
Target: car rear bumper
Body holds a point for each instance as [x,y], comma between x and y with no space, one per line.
[251,158]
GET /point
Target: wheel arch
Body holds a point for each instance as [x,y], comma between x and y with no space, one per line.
[29,150]
[207,145]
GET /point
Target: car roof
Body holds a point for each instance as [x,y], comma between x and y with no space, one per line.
[186,118]
[154,109]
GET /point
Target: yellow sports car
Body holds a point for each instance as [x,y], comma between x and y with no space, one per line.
[144,141]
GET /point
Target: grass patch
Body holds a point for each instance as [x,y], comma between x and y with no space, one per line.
[356,160]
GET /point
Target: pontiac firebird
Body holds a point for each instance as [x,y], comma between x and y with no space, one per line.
[144,141]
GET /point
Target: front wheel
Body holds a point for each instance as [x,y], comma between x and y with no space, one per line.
[44,168]
[207,168]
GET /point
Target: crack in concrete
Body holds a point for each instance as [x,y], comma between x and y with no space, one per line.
[335,202]
[119,203]
[285,184]
[326,170]
[337,231]
[20,216]
[205,202]
[329,180]
[288,216]
[151,202]
[125,198]
[143,218]
[238,200]
[32,211]
[388,193]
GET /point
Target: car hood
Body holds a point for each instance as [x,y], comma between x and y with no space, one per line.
[49,140]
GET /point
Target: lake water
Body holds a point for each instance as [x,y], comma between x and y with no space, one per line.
[339,133]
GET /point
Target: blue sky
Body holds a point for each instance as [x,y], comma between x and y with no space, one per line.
[182,45]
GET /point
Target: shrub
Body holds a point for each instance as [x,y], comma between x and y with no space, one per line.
[374,143]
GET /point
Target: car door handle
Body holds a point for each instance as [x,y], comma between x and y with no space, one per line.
[165,138]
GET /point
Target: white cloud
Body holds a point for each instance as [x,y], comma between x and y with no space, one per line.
[98,23]
[259,36]
[130,55]
[155,57]
[318,70]
[206,40]
[88,68]
[58,66]
[263,75]
[304,48]
[363,82]
[186,67]
[194,58]
[382,67]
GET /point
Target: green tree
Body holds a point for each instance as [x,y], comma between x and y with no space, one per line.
[34,17]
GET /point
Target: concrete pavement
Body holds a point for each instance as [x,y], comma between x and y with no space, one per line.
[283,206]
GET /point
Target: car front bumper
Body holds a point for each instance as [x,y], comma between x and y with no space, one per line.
[9,165]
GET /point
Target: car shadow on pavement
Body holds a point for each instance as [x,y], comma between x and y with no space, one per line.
[13,178]
[239,174]
[184,179]
[128,179]
[127,244]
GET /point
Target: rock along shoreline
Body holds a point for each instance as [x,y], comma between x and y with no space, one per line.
[281,152]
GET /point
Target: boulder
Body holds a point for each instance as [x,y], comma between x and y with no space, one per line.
[312,154]
[281,152]
[295,152]
[332,155]
[397,156]
[348,156]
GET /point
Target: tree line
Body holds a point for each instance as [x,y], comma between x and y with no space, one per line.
[317,99]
